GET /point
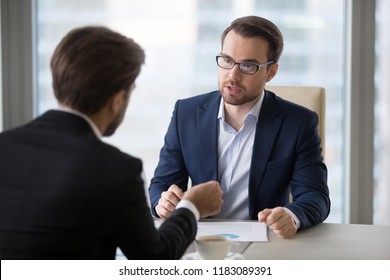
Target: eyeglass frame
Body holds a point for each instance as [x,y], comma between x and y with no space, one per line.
[259,66]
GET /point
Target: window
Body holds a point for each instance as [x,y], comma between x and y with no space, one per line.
[181,39]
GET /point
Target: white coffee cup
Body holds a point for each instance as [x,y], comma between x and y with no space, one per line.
[212,247]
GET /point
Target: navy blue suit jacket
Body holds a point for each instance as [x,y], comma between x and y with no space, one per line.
[286,156]
[65,194]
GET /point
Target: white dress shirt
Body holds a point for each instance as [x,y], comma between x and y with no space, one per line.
[234,162]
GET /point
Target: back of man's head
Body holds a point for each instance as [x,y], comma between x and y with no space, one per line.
[91,64]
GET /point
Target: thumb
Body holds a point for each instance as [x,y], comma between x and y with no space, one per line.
[262,215]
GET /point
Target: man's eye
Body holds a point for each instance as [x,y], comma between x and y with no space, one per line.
[227,60]
[247,65]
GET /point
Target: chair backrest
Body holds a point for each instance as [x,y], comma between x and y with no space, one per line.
[308,96]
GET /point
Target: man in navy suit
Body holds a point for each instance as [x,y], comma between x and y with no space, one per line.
[259,147]
[65,194]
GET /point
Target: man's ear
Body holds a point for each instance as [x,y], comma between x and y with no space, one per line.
[116,101]
[272,71]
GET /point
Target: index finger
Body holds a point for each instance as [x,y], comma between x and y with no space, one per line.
[263,215]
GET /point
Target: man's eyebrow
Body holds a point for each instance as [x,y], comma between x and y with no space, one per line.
[251,60]
[244,60]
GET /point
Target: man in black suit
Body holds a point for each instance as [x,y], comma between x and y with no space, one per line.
[65,194]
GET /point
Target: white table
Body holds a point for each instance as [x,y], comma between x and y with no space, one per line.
[326,242]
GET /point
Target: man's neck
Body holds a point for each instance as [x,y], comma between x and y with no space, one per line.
[235,114]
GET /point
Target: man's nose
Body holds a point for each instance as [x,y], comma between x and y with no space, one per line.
[235,73]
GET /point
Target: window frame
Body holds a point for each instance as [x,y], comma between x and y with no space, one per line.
[18,61]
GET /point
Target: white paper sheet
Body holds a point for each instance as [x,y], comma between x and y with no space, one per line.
[236,231]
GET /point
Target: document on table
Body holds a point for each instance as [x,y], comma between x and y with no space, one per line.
[236,231]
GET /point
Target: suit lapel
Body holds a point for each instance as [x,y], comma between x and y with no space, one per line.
[266,131]
[207,133]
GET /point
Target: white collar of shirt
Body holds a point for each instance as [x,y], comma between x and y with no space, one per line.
[255,111]
[85,117]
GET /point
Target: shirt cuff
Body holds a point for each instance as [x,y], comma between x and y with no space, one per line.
[294,217]
[184,203]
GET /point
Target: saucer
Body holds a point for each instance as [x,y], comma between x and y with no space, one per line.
[231,256]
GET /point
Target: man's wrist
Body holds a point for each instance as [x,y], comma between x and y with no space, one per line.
[294,217]
[185,203]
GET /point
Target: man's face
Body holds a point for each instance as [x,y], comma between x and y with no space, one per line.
[236,87]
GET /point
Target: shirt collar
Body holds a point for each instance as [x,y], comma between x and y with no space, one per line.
[93,126]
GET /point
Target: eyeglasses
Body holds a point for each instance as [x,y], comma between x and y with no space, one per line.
[245,67]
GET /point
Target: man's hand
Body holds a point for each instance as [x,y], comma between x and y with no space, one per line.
[168,201]
[279,221]
[207,198]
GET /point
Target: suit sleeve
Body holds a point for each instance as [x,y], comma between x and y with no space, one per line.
[135,231]
[309,179]
[171,167]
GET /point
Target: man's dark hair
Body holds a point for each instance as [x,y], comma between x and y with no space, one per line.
[254,26]
[91,64]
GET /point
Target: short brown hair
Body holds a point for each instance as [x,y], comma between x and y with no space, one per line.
[91,64]
[254,26]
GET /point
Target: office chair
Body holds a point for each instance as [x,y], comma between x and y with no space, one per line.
[310,97]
